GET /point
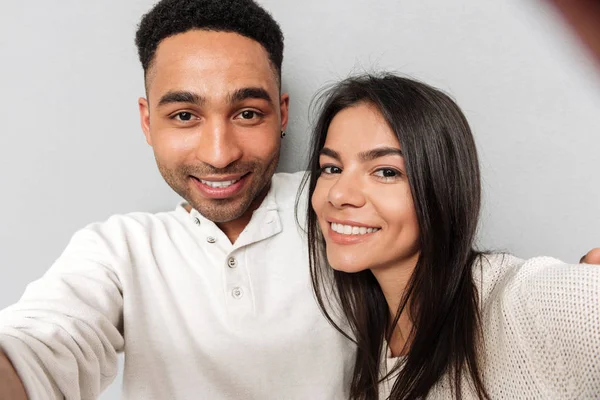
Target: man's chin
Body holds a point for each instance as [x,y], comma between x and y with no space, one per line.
[221,211]
[229,209]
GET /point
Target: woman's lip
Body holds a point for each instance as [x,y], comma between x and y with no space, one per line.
[342,239]
[351,223]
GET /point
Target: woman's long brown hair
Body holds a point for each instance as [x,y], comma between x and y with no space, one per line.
[443,173]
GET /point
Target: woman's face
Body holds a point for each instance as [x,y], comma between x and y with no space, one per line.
[362,198]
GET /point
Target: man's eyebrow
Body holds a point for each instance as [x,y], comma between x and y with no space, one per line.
[181,96]
[250,93]
[380,152]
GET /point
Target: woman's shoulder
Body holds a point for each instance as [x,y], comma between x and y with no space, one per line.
[544,288]
[504,276]
[495,272]
[541,321]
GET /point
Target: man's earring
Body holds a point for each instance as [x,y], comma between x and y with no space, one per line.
[282,134]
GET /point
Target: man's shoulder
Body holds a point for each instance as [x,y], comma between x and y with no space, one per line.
[132,224]
[285,187]
[120,235]
[288,180]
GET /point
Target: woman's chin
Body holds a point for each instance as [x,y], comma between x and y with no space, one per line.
[348,266]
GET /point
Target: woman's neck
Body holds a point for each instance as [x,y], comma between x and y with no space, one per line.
[393,281]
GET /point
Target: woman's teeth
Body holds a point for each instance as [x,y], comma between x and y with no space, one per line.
[352,230]
[219,185]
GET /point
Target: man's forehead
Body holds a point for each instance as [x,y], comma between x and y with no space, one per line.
[211,60]
[212,88]
[212,43]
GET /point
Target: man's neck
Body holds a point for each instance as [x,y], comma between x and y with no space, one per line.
[232,229]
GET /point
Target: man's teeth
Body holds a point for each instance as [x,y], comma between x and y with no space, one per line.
[352,230]
[219,185]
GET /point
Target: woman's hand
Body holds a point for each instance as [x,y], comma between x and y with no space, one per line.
[592,257]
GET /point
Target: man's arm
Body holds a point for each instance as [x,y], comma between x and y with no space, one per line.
[11,387]
[63,336]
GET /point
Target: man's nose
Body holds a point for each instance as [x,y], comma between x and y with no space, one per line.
[218,145]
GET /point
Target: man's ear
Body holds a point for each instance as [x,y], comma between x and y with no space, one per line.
[145,118]
[284,105]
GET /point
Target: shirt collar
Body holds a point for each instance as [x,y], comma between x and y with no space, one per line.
[265,221]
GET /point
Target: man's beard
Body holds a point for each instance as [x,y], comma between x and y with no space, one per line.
[222,210]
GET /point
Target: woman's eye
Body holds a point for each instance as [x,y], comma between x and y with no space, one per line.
[330,170]
[387,173]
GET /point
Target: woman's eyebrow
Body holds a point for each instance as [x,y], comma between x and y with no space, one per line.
[365,156]
[380,152]
[326,151]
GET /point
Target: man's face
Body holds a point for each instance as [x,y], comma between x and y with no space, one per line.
[213,118]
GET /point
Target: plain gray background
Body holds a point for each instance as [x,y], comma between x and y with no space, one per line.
[72,152]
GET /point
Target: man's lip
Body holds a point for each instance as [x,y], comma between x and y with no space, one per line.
[351,223]
[221,193]
[220,178]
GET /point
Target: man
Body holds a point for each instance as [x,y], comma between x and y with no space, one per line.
[212,300]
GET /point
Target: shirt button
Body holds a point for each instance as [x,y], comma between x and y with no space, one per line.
[197,221]
[232,262]
[211,239]
[237,293]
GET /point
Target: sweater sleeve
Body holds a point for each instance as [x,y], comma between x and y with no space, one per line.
[64,333]
[556,310]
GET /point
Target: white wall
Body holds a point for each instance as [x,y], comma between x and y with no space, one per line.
[71,150]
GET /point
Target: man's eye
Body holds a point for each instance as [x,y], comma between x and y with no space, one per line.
[183,116]
[249,114]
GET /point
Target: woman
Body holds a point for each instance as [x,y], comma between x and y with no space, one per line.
[394,186]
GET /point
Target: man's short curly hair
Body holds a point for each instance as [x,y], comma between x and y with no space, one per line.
[245,17]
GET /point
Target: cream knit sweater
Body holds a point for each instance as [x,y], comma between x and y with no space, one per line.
[541,330]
